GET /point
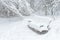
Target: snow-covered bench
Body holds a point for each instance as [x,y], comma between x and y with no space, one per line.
[39,24]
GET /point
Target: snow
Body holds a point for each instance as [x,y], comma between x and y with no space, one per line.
[19,31]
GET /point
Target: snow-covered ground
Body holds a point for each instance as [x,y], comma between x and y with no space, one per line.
[18,30]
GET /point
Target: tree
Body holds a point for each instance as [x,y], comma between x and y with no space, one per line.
[24,8]
[9,9]
[44,5]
